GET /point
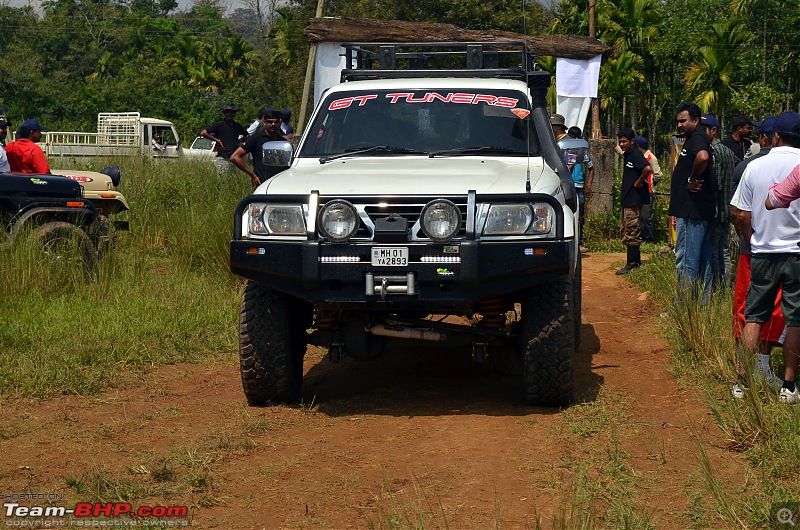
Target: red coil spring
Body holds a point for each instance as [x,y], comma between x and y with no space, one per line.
[325,320]
[493,311]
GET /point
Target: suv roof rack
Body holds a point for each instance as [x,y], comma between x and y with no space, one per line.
[496,59]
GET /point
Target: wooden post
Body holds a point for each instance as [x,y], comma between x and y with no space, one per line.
[312,55]
[596,133]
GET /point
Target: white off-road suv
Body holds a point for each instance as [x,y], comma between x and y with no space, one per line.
[428,183]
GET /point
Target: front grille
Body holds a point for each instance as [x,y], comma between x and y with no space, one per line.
[411,212]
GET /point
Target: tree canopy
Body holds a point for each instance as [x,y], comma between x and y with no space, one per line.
[79,57]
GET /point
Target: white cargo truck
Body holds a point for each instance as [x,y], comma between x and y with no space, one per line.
[118,134]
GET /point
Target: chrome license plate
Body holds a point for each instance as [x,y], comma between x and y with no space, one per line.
[389,256]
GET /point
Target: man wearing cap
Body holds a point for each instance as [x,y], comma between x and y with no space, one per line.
[723,163]
[692,203]
[557,122]
[286,114]
[226,133]
[773,329]
[24,155]
[739,140]
[775,260]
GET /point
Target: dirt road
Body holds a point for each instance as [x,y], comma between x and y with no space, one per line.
[425,433]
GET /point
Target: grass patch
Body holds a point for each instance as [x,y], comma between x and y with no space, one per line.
[162,295]
[759,427]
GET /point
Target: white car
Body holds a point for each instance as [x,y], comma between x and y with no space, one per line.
[201,148]
[415,194]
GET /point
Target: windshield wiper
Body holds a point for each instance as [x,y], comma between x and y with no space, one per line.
[373,149]
[476,150]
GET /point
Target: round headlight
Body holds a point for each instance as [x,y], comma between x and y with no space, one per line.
[338,221]
[440,220]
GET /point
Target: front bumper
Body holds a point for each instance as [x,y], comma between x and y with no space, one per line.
[437,277]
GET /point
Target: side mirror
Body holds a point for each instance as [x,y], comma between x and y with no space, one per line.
[277,153]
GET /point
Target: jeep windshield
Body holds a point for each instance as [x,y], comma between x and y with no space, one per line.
[453,122]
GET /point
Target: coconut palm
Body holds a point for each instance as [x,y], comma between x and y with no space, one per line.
[620,80]
[720,57]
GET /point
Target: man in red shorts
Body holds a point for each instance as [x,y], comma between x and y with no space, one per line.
[772,331]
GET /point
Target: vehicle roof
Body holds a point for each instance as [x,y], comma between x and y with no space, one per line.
[439,83]
[154,121]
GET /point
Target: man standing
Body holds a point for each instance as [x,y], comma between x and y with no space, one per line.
[576,154]
[648,234]
[4,165]
[782,194]
[227,133]
[692,202]
[739,140]
[775,260]
[24,155]
[559,129]
[269,131]
[633,195]
[772,330]
[724,162]
[286,116]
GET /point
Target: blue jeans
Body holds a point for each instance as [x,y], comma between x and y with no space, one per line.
[693,254]
[721,253]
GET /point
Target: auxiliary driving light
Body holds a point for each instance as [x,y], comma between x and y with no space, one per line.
[338,221]
[440,220]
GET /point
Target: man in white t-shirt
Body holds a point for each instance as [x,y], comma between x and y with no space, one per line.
[775,261]
[4,165]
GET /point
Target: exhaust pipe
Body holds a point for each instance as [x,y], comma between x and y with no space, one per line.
[405,333]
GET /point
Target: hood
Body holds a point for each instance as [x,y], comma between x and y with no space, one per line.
[98,188]
[411,175]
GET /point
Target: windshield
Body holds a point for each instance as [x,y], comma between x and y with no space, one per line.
[422,122]
[202,143]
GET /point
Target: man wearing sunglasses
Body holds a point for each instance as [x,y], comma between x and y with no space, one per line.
[269,131]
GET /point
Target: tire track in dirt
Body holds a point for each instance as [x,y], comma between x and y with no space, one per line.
[426,423]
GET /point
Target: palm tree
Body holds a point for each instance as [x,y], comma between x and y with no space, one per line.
[629,26]
[619,80]
[712,75]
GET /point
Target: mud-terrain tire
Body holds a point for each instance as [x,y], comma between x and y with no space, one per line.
[271,347]
[102,234]
[67,243]
[577,300]
[548,342]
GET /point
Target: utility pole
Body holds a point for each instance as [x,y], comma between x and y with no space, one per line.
[595,101]
[312,55]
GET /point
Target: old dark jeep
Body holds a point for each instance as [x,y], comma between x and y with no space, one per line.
[53,210]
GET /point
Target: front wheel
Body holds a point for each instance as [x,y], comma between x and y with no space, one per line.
[271,347]
[67,245]
[548,343]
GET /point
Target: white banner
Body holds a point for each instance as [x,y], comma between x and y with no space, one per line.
[327,67]
[574,109]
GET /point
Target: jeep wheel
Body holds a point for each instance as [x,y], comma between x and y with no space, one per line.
[577,300]
[67,244]
[548,335]
[271,347]
[101,233]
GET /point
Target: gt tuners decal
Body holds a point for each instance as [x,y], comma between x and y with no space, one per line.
[463,98]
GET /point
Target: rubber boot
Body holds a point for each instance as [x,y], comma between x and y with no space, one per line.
[634,260]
